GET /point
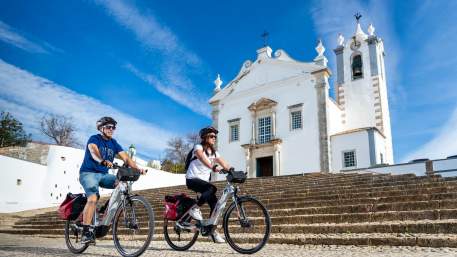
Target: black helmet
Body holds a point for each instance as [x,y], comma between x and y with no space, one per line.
[105,120]
[207,130]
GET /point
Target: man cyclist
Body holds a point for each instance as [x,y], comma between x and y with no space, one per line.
[204,160]
[98,158]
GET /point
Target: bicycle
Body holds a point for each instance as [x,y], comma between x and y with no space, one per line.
[130,216]
[181,234]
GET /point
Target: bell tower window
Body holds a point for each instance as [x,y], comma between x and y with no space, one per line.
[357,67]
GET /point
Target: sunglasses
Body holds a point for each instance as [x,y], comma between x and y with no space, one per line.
[212,136]
[110,127]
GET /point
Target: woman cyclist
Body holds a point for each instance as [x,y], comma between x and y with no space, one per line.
[204,160]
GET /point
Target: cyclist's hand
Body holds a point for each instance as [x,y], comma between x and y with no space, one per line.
[143,171]
[107,164]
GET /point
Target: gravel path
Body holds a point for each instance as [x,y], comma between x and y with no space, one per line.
[18,245]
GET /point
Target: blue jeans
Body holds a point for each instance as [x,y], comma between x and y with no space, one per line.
[91,181]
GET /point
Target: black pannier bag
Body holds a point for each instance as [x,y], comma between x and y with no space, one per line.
[183,203]
[72,206]
[236,177]
[127,174]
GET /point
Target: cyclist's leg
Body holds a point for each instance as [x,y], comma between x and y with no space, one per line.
[89,182]
[207,190]
[108,181]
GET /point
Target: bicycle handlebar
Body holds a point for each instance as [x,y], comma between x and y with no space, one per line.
[116,166]
[224,171]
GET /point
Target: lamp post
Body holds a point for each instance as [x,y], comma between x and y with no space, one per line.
[132,151]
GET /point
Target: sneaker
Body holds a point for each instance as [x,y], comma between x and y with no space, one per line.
[88,237]
[216,238]
[196,213]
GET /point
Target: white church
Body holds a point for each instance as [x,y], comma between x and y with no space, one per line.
[276,116]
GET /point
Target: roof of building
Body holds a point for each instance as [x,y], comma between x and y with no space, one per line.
[358,130]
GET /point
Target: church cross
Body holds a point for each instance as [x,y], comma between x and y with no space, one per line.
[265,35]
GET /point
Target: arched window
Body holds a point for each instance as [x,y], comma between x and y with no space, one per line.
[357,67]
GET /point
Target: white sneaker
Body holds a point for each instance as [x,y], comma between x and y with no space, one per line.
[196,213]
[216,238]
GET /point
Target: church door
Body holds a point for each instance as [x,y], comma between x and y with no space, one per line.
[265,166]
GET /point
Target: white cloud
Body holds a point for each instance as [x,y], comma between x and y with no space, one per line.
[442,145]
[177,61]
[180,95]
[12,37]
[28,97]
[432,40]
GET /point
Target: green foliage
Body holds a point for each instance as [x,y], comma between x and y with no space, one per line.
[12,132]
[170,166]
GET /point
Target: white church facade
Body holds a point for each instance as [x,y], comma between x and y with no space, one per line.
[276,116]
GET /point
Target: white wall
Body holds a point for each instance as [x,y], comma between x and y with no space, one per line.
[28,195]
[334,118]
[59,177]
[418,168]
[380,148]
[446,164]
[299,148]
[358,94]
[357,141]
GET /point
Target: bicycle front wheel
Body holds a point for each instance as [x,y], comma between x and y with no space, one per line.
[133,227]
[247,225]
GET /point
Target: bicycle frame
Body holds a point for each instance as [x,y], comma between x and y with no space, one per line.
[230,191]
[117,198]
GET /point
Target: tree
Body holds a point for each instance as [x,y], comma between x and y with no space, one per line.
[176,152]
[193,139]
[60,129]
[12,132]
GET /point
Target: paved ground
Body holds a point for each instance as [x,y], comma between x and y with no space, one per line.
[18,245]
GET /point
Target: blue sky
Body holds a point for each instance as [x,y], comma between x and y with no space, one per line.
[151,64]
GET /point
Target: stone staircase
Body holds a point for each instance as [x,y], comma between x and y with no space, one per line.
[319,208]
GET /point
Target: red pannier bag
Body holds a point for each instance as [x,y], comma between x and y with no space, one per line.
[72,206]
[177,205]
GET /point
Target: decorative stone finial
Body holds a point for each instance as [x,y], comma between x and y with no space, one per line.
[320,58]
[217,83]
[371,30]
[320,49]
[340,40]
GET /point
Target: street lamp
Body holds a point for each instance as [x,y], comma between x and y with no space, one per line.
[132,151]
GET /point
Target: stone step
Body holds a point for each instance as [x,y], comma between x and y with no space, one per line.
[299,191]
[275,184]
[439,214]
[440,200]
[361,208]
[296,185]
[448,226]
[373,239]
[281,191]
[380,203]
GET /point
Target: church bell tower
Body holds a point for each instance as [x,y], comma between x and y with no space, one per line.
[361,89]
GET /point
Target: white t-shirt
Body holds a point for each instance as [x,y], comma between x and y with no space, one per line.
[199,170]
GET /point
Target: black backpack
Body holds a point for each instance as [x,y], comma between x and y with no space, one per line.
[190,157]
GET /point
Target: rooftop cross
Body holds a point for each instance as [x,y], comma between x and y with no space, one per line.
[265,35]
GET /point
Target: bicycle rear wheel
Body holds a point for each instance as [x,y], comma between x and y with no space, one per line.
[247,225]
[133,227]
[73,233]
[177,234]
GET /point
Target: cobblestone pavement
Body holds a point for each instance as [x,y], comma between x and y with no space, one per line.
[18,245]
